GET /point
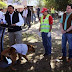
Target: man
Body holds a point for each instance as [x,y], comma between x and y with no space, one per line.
[45,28]
[2,18]
[52,11]
[29,17]
[1,15]
[38,12]
[66,29]
[16,10]
[15,19]
[25,12]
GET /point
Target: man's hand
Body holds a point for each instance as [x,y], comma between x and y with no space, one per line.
[49,34]
[25,16]
[63,31]
[13,24]
[39,29]
[2,22]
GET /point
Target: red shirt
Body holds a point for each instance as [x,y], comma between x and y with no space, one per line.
[50,19]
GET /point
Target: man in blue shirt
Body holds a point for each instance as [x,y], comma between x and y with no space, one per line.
[66,29]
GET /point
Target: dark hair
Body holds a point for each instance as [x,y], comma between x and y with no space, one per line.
[11,6]
[1,9]
[70,5]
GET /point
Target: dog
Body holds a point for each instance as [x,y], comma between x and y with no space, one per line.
[20,49]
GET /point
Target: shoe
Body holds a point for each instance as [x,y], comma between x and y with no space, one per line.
[45,55]
[69,60]
[24,24]
[63,58]
[29,27]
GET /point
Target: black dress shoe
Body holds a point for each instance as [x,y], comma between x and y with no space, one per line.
[45,55]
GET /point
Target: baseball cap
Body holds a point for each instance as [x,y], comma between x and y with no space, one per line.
[43,10]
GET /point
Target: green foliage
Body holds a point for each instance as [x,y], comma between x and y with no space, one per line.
[39,3]
[62,4]
[57,4]
[2,4]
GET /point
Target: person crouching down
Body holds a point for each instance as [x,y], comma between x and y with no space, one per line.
[45,29]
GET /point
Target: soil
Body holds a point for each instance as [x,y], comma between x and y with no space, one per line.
[37,62]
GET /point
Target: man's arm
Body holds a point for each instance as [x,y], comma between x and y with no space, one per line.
[61,26]
[40,24]
[50,22]
[21,21]
[62,29]
[50,28]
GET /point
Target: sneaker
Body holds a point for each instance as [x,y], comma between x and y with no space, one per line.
[24,24]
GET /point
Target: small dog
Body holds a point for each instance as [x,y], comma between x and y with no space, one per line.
[20,49]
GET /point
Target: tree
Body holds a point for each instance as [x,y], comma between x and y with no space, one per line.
[70,1]
[50,3]
[62,4]
[2,4]
[40,3]
[57,4]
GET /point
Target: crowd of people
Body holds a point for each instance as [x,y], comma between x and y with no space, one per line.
[16,19]
[28,15]
[66,29]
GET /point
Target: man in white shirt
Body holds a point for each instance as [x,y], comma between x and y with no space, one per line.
[15,19]
[1,14]
[2,17]
[25,12]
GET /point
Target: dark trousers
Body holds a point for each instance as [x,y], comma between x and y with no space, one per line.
[46,43]
[28,21]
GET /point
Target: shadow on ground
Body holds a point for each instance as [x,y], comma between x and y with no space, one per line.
[39,63]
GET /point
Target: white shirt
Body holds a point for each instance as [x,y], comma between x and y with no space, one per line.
[21,21]
[21,48]
[25,12]
[2,16]
[11,16]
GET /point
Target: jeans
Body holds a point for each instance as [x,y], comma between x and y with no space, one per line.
[33,18]
[67,37]
[25,21]
[28,21]
[2,31]
[46,43]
